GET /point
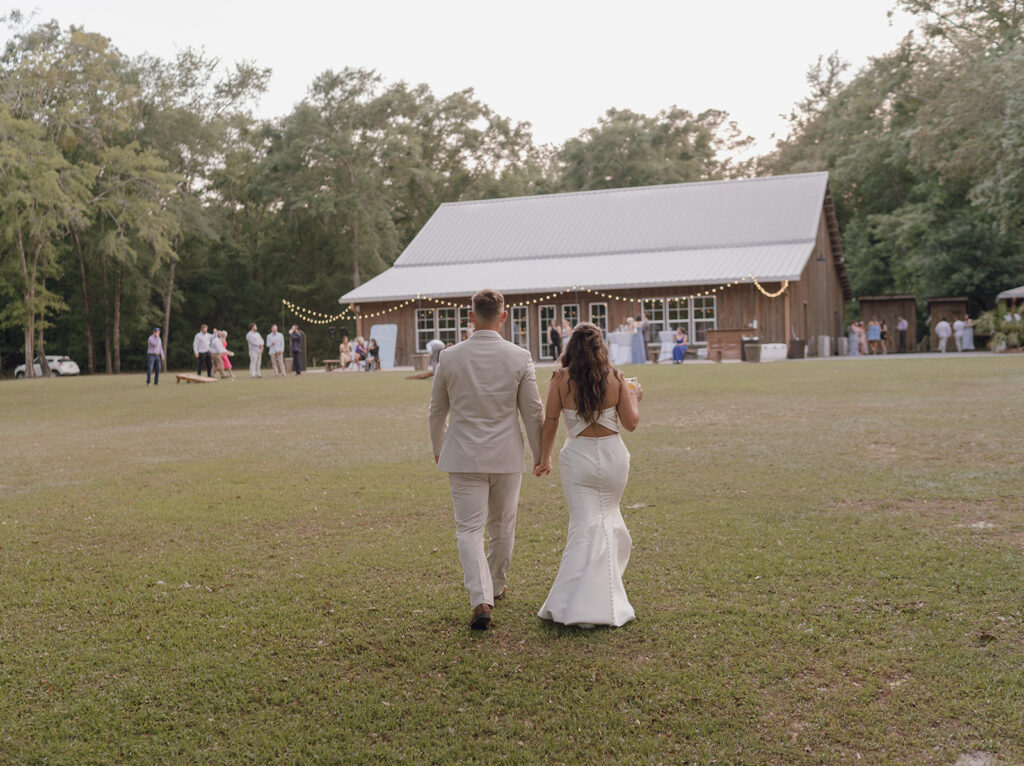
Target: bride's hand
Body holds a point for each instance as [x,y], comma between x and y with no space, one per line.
[542,467]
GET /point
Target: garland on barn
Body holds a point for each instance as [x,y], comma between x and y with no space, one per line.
[318,318]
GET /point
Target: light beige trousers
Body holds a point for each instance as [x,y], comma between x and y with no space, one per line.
[485,500]
[277,358]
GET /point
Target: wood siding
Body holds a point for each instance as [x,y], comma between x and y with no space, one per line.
[815,306]
[890,308]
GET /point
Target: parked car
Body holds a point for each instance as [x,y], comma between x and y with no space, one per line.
[59,365]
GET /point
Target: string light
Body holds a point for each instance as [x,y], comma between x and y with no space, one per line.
[317,318]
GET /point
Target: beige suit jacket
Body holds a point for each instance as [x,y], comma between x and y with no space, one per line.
[481,388]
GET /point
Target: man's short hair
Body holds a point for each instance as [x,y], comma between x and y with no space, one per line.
[488,304]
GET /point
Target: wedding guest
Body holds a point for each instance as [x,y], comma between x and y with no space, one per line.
[359,352]
[217,354]
[372,355]
[874,335]
[434,348]
[853,341]
[255,341]
[201,348]
[862,338]
[884,329]
[275,348]
[345,354]
[681,340]
[226,357]
[596,403]
[958,333]
[639,352]
[297,342]
[942,332]
[555,339]
[901,328]
[968,334]
[154,357]
[645,332]
[566,331]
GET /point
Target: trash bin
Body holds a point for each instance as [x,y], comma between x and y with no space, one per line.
[797,349]
[824,345]
[420,361]
[751,352]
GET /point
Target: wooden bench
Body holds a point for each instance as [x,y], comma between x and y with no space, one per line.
[330,364]
[191,377]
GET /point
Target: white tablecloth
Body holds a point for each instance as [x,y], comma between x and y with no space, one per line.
[668,340]
[620,348]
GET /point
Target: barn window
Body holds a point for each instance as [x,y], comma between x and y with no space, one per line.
[599,315]
[521,326]
[654,308]
[703,309]
[447,325]
[426,328]
[571,314]
[545,316]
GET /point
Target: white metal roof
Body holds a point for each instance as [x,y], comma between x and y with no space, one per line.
[698,233]
[768,263]
[1016,292]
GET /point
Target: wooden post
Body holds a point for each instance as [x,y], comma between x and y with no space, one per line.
[786,317]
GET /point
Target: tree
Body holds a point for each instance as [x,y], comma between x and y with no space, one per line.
[631,149]
[41,195]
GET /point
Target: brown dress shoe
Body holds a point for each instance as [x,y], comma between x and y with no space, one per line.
[481,617]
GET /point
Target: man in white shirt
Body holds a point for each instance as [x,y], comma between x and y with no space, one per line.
[958,333]
[942,332]
[275,347]
[201,348]
[255,341]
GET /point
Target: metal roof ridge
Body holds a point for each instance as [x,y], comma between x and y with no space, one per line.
[552,256]
[709,182]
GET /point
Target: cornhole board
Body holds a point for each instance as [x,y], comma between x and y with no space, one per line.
[191,377]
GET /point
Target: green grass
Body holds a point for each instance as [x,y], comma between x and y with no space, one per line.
[266,571]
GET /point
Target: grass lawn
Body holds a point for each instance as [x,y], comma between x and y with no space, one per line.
[827,568]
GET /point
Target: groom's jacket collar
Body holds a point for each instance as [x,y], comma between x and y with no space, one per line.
[485,335]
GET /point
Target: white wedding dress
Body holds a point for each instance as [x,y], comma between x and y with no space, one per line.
[588,589]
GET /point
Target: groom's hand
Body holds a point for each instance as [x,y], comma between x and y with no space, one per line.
[542,468]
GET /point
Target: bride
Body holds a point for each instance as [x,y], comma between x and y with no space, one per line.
[595,400]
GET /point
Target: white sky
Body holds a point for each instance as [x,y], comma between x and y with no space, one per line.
[557,64]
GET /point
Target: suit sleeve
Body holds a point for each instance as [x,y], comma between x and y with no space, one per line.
[530,409]
[439,406]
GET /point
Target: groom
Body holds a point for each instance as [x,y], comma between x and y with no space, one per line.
[481,387]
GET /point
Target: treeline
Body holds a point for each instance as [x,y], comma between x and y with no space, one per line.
[142,192]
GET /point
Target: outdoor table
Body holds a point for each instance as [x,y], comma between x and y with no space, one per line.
[967,344]
[620,347]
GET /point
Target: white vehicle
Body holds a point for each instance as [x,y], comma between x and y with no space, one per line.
[59,365]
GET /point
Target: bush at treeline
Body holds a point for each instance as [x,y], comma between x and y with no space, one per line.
[137,192]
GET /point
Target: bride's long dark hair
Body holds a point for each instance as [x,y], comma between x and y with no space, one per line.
[586,358]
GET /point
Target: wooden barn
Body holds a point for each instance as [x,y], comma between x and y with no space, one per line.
[759,254]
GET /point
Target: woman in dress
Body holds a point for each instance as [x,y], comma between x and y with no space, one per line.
[345,354]
[874,335]
[226,356]
[596,401]
[679,348]
[555,339]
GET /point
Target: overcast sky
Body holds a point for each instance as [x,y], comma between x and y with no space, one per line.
[557,64]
